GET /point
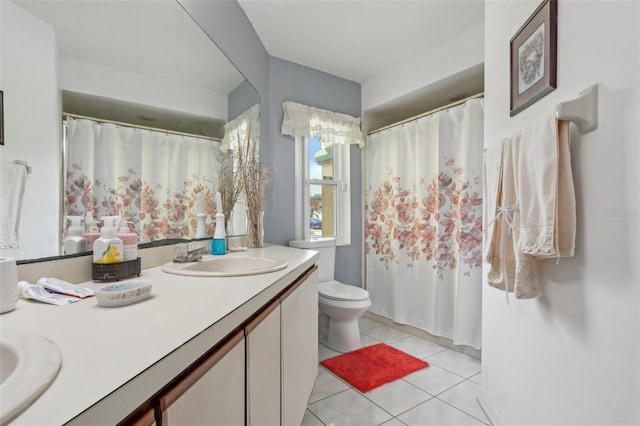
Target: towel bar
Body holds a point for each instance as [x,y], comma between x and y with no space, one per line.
[25,164]
[582,111]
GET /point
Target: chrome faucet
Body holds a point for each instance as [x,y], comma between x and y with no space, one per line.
[191,252]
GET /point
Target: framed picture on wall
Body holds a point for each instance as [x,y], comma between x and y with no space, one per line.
[1,117]
[533,57]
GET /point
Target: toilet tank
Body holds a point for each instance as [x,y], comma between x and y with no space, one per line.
[326,258]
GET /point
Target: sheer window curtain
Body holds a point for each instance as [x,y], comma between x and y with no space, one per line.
[303,121]
[423,223]
[151,179]
[244,128]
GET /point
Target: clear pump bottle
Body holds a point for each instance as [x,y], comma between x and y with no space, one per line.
[75,241]
[92,234]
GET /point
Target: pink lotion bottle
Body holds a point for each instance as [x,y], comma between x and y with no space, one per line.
[130,241]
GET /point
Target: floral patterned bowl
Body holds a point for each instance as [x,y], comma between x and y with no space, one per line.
[124,293]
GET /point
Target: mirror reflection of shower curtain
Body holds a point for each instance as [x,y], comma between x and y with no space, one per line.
[149,178]
[423,223]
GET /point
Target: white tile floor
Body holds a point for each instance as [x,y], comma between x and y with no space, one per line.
[442,394]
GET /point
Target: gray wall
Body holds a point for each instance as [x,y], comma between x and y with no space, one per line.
[226,24]
[277,80]
[241,99]
[293,82]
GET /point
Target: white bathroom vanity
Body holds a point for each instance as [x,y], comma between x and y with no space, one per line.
[200,350]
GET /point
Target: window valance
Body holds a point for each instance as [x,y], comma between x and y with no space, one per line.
[238,131]
[331,127]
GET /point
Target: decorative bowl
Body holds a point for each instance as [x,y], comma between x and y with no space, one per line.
[123,293]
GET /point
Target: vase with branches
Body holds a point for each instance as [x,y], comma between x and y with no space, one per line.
[229,185]
[254,178]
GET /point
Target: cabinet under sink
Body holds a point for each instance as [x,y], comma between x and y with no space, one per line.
[262,374]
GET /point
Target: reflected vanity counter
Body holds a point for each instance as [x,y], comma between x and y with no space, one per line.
[115,359]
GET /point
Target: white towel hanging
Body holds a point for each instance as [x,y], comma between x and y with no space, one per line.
[12,187]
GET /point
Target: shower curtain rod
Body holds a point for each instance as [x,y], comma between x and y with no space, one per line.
[135,126]
[425,114]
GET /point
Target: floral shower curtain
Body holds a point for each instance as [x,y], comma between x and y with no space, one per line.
[149,178]
[423,223]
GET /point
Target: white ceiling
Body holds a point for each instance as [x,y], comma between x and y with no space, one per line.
[152,38]
[352,39]
[155,38]
[357,39]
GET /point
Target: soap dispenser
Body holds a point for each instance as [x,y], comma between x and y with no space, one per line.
[129,240]
[201,230]
[75,241]
[219,243]
[108,248]
[92,234]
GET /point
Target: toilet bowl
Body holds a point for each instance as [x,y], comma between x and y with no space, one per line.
[343,305]
[340,304]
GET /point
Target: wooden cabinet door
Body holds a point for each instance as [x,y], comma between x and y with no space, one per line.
[146,417]
[299,315]
[263,368]
[212,393]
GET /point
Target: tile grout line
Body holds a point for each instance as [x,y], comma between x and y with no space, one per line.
[318,418]
[460,409]
[408,409]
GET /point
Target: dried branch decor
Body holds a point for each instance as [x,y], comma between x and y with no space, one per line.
[229,185]
[254,177]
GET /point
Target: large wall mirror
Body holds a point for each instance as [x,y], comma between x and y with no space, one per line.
[118,108]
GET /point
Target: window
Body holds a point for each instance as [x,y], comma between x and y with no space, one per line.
[322,147]
[323,185]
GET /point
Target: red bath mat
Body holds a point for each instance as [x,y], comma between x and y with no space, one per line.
[372,366]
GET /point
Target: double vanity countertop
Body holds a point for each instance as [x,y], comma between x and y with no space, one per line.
[114,359]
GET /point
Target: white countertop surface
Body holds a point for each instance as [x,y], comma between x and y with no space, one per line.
[114,359]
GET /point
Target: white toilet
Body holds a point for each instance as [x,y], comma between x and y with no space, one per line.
[340,305]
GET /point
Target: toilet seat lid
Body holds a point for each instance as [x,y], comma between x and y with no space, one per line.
[337,291]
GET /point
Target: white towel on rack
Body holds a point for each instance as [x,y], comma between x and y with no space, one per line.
[495,223]
[13,179]
[511,269]
[545,190]
[529,205]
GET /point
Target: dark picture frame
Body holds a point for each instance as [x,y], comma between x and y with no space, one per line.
[534,56]
[1,117]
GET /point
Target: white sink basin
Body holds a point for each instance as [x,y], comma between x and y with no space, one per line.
[28,365]
[229,265]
